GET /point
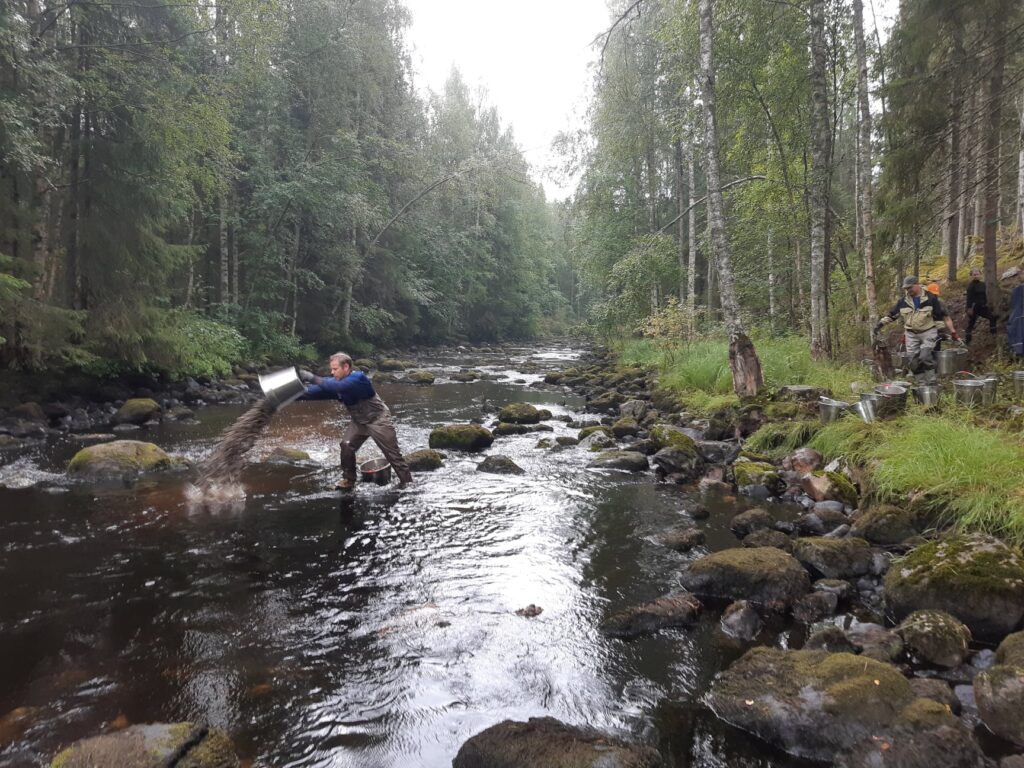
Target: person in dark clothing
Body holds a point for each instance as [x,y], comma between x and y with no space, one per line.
[977,305]
[370,417]
[921,313]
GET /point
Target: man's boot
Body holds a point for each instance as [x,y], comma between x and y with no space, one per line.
[404,478]
[346,484]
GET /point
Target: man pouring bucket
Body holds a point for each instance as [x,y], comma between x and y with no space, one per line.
[921,313]
[369,417]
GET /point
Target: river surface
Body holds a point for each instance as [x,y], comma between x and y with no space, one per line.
[372,629]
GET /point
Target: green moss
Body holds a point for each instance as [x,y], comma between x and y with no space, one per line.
[968,562]
[846,489]
[461,437]
[781,411]
[625,427]
[588,431]
[519,413]
[756,457]
[420,377]
[1011,650]
[862,686]
[667,436]
[754,473]
[120,457]
[137,410]
[926,714]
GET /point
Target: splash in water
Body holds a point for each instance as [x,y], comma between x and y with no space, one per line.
[218,474]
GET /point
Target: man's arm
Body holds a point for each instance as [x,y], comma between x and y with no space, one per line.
[890,316]
[317,392]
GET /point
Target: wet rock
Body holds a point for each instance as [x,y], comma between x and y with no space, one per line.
[935,637]
[687,465]
[137,411]
[625,428]
[464,377]
[424,460]
[999,693]
[841,589]
[681,539]
[530,611]
[756,519]
[768,538]
[697,512]
[630,461]
[815,606]
[805,461]
[936,690]
[504,429]
[22,428]
[393,364]
[749,473]
[829,486]
[762,575]
[545,443]
[607,402]
[646,446]
[679,609]
[500,465]
[596,441]
[820,523]
[420,377]
[816,705]
[886,525]
[120,459]
[14,723]
[834,558]
[830,639]
[741,621]
[634,409]
[875,641]
[29,411]
[978,579]
[717,451]
[519,413]
[282,455]
[594,429]
[668,436]
[566,440]
[184,745]
[543,742]
[461,437]
[384,377]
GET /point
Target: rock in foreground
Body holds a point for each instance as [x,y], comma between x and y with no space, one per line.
[152,746]
[762,575]
[119,459]
[679,609]
[544,742]
[461,437]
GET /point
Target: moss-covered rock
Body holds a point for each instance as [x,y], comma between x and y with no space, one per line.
[834,558]
[935,637]
[461,437]
[588,431]
[1011,650]
[977,578]
[745,523]
[762,575]
[566,440]
[999,694]
[424,460]
[364,364]
[466,376]
[503,429]
[680,609]
[768,538]
[682,465]
[829,486]
[393,364]
[886,525]
[152,746]
[500,465]
[138,410]
[420,377]
[629,461]
[625,428]
[283,455]
[607,402]
[519,413]
[121,458]
[748,472]
[668,436]
[544,742]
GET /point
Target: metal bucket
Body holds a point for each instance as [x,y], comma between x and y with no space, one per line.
[949,361]
[829,410]
[282,387]
[926,394]
[969,391]
[894,400]
[376,471]
[1018,384]
[865,409]
[991,381]
[899,360]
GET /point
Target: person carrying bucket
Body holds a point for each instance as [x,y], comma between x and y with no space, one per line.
[370,417]
[920,312]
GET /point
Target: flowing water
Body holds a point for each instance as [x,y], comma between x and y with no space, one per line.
[377,628]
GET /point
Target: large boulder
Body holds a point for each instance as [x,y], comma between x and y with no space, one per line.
[762,575]
[935,637]
[121,458]
[834,558]
[625,427]
[500,465]
[668,436]
[393,364]
[544,742]
[634,409]
[420,377]
[519,413]
[686,465]
[679,609]
[630,461]
[138,410]
[823,706]
[886,525]
[461,437]
[976,578]
[184,745]
[424,460]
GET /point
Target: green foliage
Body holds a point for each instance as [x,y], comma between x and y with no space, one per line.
[188,344]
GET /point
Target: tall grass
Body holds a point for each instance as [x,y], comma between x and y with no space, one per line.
[968,476]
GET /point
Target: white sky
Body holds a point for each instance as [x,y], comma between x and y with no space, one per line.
[531,57]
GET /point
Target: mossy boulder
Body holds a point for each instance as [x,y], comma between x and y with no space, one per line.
[625,427]
[588,431]
[500,465]
[748,473]
[756,519]
[628,461]
[138,410]
[543,742]
[364,364]
[184,745]
[607,402]
[887,525]
[976,578]
[393,364]
[999,694]
[668,436]
[424,460]
[935,637]
[818,705]
[121,458]
[768,538]
[566,441]
[461,437]
[829,486]
[504,429]
[762,575]
[283,455]
[1011,650]
[466,376]
[519,413]
[682,538]
[834,558]
[420,377]
[679,609]
[682,465]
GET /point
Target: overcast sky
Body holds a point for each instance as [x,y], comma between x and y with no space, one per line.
[530,56]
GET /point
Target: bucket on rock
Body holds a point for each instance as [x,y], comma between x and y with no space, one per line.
[375,471]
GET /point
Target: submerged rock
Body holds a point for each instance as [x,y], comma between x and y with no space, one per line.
[679,609]
[283,455]
[762,575]
[978,579]
[121,458]
[935,637]
[500,465]
[152,746]
[681,539]
[424,460]
[461,437]
[543,742]
[630,461]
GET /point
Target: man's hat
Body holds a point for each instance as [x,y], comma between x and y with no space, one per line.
[909,281]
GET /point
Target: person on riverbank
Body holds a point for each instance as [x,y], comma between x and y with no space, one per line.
[369,417]
[977,305]
[920,311]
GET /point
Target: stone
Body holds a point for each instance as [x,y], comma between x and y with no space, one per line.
[685,464]
[464,377]
[820,523]
[504,429]
[999,693]
[763,575]
[838,587]
[805,460]
[874,640]
[625,428]
[745,523]
[500,465]
[392,364]
[679,609]
[936,690]
[634,409]
[420,377]
[424,460]
[768,538]
[829,486]
[668,436]
[519,413]
[120,459]
[566,440]
[1011,650]
[935,637]
[717,451]
[184,745]
[834,558]
[283,455]
[543,742]
[29,411]
[816,705]
[758,473]
[886,525]
[799,393]
[545,443]
[630,461]
[607,402]
[461,437]
[1010,273]
[681,539]
[592,429]
[137,411]
[976,578]
[830,639]
[815,606]
[741,621]
[597,441]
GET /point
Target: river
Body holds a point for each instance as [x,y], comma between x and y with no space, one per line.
[373,629]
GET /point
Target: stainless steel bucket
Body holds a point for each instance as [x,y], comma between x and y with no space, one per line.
[926,394]
[949,361]
[894,400]
[1018,384]
[865,409]
[376,471]
[969,391]
[829,410]
[282,387]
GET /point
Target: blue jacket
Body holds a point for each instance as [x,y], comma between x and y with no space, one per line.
[351,390]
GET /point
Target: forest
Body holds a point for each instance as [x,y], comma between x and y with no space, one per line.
[187,185]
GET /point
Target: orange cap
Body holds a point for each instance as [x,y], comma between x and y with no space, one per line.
[933,288]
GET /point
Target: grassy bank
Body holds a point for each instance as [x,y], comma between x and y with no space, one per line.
[699,370]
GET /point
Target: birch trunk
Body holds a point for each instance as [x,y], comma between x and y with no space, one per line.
[820,347]
[691,225]
[864,158]
[991,180]
[1019,218]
